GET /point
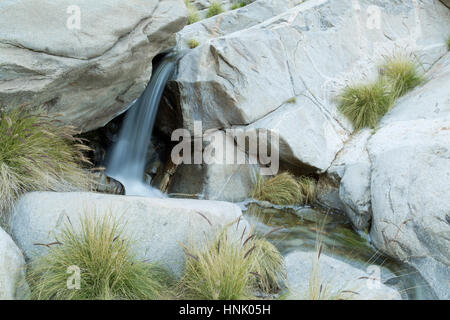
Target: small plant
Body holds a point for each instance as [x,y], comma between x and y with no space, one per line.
[214,9]
[402,73]
[291,100]
[239,4]
[284,189]
[193,15]
[448,43]
[37,155]
[108,269]
[229,268]
[192,43]
[365,104]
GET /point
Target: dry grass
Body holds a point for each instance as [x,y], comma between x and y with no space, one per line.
[37,155]
[268,267]
[228,268]
[108,268]
[284,189]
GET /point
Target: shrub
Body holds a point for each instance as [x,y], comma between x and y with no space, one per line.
[214,9]
[227,268]
[284,189]
[365,104]
[37,155]
[192,43]
[193,15]
[108,268]
[402,73]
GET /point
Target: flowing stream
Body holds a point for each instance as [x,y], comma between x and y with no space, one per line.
[128,157]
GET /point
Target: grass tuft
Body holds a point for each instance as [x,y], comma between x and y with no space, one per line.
[108,269]
[228,268]
[402,73]
[37,155]
[448,43]
[192,43]
[193,14]
[284,189]
[268,267]
[214,9]
[365,104]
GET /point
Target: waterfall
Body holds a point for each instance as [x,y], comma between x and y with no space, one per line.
[128,157]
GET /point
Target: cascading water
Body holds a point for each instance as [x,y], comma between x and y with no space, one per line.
[128,157]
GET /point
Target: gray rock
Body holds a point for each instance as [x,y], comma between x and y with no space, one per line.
[217,180]
[12,270]
[231,21]
[308,53]
[338,279]
[157,227]
[409,189]
[84,76]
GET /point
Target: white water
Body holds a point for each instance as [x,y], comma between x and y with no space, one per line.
[128,156]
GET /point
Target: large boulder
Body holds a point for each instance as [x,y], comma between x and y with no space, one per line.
[85,74]
[157,227]
[12,269]
[410,185]
[337,279]
[217,179]
[283,74]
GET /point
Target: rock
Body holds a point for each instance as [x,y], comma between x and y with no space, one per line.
[83,76]
[429,101]
[284,73]
[12,270]
[157,227]
[409,189]
[354,192]
[231,21]
[335,276]
[217,180]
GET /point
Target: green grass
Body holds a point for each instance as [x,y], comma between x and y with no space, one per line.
[193,14]
[402,73]
[108,268]
[228,268]
[214,9]
[291,100]
[37,155]
[448,43]
[239,4]
[284,189]
[365,104]
[192,43]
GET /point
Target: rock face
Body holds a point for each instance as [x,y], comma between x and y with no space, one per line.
[409,187]
[217,180]
[398,176]
[283,74]
[85,73]
[157,227]
[12,269]
[339,279]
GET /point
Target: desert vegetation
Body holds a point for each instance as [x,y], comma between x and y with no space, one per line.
[214,9]
[365,104]
[108,268]
[193,14]
[192,43]
[229,268]
[284,189]
[37,153]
